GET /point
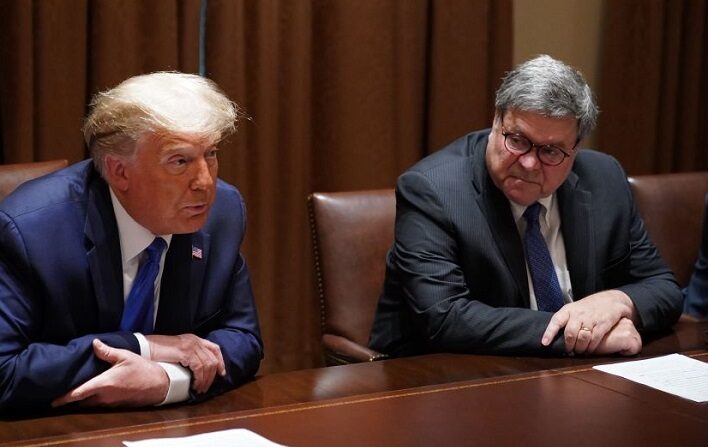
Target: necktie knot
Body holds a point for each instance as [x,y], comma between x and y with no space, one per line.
[532,212]
[155,249]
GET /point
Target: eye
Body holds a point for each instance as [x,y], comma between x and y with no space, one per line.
[177,163]
[551,150]
[210,156]
[517,141]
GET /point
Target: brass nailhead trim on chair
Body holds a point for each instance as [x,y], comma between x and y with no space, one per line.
[318,267]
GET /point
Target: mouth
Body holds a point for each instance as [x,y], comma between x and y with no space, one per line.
[196,209]
[525,180]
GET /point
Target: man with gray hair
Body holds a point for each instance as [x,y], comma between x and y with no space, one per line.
[121,280]
[512,240]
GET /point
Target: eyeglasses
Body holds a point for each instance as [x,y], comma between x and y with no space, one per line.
[548,154]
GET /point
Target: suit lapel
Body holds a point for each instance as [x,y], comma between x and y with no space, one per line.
[578,237]
[104,256]
[495,206]
[181,283]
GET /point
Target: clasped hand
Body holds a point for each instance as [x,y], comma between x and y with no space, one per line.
[602,323]
[136,381]
[131,381]
[201,356]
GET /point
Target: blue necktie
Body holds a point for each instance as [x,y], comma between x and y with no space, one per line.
[138,312]
[543,276]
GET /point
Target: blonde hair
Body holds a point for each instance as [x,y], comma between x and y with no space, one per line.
[162,103]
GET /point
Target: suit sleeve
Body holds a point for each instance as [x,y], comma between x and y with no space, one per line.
[444,307]
[238,332]
[643,274]
[33,371]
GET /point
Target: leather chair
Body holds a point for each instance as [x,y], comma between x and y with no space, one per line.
[352,231]
[351,234]
[12,175]
[671,206]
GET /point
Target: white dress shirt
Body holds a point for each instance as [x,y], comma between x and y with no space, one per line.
[549,221]
[134,239]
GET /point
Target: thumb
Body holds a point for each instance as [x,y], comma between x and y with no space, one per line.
[558,321]
[105,352]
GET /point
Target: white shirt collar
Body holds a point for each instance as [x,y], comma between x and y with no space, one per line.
[134,238]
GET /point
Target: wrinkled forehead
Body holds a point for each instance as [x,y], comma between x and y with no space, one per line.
[163,139]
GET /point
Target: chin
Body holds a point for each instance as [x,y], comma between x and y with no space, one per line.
[186,229]
[182,226]
[521,198]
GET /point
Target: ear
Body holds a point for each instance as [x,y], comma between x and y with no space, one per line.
[115,172]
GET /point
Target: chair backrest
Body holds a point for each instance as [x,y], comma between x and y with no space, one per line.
[671,206]
[12,175]
[351,233]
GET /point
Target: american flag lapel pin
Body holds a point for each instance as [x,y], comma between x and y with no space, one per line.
[196,252]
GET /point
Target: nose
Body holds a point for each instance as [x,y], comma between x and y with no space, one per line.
[202,175]
[530,160]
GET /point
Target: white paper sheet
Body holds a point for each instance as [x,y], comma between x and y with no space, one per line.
[675,374]
[231,438]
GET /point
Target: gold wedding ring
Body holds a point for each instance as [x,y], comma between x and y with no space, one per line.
[585,329]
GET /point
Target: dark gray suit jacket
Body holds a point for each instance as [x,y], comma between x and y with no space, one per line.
[456,275]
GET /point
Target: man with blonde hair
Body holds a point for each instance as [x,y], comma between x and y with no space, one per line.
[121,280]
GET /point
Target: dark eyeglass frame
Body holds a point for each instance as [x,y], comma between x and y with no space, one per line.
[538,147]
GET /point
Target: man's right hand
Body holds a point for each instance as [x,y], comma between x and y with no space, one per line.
[130,381]
[201,356]
[622,339]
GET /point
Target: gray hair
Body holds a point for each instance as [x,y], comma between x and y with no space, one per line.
[548,86]
[163,103]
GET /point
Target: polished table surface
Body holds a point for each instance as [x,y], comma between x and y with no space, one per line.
[428,400]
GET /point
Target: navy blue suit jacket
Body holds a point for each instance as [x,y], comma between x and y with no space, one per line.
[61,286]
[456,274]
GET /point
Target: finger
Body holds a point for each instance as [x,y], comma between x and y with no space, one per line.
[583,340]
[106,353]
[598,334]
[216,351]
[633,349]
[63,400]
[558,321]
[198,364]
[572,329]
[81,392]
[222,364]
[210,369]
[594,343]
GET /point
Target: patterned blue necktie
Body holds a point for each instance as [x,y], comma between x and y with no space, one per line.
[543,276]
[138,312]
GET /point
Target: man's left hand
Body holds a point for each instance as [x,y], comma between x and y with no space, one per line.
[201,356]
[588,320]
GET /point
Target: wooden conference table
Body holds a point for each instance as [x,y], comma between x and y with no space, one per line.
[441,399]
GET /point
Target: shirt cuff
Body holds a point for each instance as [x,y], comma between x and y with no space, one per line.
[180,378]
[144,345]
